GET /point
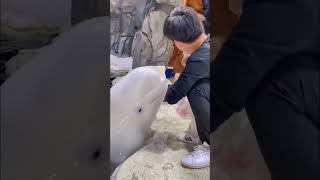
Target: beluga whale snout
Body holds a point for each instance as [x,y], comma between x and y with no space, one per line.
[134,102]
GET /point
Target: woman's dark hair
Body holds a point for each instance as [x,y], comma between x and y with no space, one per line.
[183,25]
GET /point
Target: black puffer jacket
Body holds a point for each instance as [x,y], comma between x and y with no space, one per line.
[197,70]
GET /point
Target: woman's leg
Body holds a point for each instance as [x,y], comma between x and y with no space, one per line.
[284,114]
[200,105]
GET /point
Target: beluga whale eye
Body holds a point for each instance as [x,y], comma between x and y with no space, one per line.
[140,110]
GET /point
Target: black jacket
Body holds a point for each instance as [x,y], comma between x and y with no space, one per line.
[206,10]
[269,32]
[197,69]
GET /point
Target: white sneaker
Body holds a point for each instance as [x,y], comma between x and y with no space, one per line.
[189,139]
[199,158]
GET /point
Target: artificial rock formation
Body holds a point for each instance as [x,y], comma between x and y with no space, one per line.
[150,46]
[171,2]
[136,30]
[126,17]
[119,66]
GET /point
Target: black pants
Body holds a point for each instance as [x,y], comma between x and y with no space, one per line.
[199,99]
[285,115]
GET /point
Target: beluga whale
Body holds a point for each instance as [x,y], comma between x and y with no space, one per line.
[54,120]
[134,102]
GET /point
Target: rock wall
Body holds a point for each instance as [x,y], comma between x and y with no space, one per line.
[150,46]
[136,30]
[126,17]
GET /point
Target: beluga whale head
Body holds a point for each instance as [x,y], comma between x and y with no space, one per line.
[134,102]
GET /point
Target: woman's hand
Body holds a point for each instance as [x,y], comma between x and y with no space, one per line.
[184,109]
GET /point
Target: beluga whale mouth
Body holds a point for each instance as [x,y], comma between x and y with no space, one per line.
[157,93]
[134,101]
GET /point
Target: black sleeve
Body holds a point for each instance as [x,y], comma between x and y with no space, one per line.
[268,31]
[193,71]
[206,11]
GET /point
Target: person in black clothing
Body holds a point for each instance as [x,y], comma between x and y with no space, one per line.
[270,65]
[184,29]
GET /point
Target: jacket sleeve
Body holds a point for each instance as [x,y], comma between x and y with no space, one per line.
[206,10]
[268,31]
[193,71]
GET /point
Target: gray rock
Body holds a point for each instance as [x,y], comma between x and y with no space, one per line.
[119,66]
[150,46]
[141,50]
[126,19]
[171,2]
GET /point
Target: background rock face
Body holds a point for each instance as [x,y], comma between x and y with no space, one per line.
[126,19]
[119,66]
[150,46]
[137,30]
[171,2]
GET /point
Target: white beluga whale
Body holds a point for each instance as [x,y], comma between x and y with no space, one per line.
[54,109]
[134,102]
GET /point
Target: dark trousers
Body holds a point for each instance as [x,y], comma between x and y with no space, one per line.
[199,99]
[285,115]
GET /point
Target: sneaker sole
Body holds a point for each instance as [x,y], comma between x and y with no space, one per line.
[195,167]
